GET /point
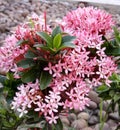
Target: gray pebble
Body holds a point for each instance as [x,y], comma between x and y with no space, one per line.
[72,117]
[93,120]
[65,121]
[103,113]
[112,123]
[2,27]
[94,97]
[115,116]
[83,115]
[87,128]
[92,105]
[79,124]
[105,127]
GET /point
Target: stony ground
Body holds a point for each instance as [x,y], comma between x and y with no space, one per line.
[13,12]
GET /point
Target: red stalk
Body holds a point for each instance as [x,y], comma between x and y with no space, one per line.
[45,20]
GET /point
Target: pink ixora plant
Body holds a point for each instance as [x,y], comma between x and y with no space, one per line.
[57,70]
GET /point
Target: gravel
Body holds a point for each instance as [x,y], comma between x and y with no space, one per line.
[14,12]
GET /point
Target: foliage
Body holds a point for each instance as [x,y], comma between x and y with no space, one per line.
[113,46]
[8,119]
[10,85]
[111,93]
[48,70]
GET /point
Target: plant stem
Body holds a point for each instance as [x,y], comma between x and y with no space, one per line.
[103,119]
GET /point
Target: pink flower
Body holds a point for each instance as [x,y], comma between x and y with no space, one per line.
[49,68]
[74,72]
[53,102]
[52,119]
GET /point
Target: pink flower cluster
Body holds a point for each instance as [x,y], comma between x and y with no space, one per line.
[10,51]
[76,71]
[30,96]
[89,25]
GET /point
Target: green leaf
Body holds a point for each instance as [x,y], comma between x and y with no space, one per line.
[102,88]
[45,80]
[46,127]
[57,41]
[112,105]
[105,95]
[117,35]
[42,47]
[22,42]
[68,38]
[30,55]
[29,76]
[113,51]
[59,125]
[116,97]
[56,31]
[67,45]
[46,38]
[2,79]
[26,63]
[112,93]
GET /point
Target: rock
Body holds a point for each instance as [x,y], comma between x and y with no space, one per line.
[87,128]
[114,128]
[77,111]
[93,120]
[25,0]
[65,121]
[96,112]
[111,123]
[103,113]
[94,97]
[2,27]
[105,127]
[79,124]
[2,8]
[92,105]
[105,105]
[115,116]
[81,5]
[116,108]
[72,117]
[83,115]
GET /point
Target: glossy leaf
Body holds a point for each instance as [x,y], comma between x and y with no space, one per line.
[29,76]
[57,41]
[46,38]
[67,45]
[56,31]
[30,54]
[26,63]
[68,39]
[45,80]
